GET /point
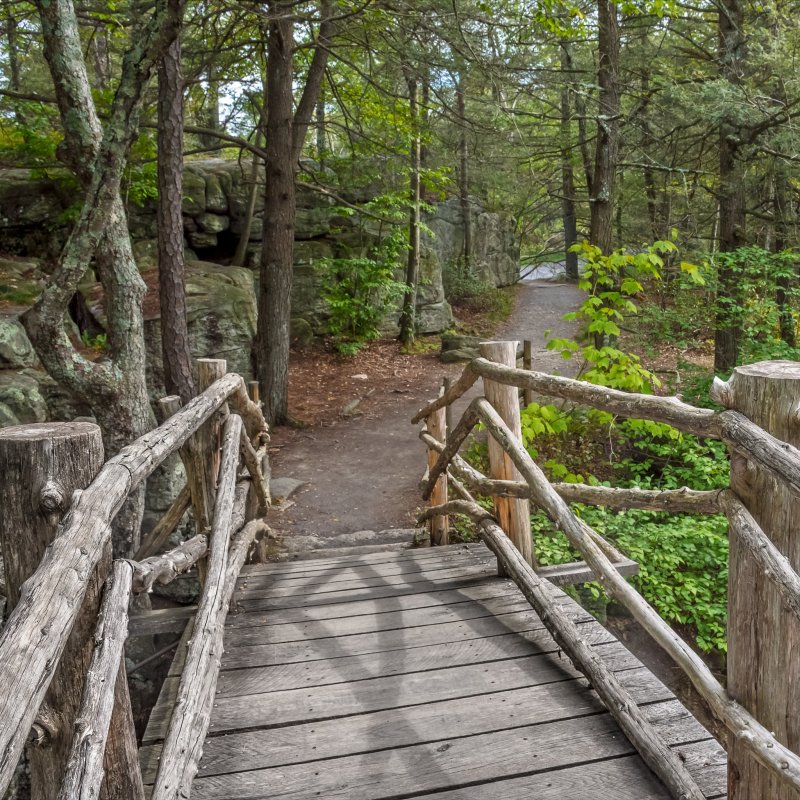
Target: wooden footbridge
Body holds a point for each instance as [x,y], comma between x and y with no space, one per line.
[455,671]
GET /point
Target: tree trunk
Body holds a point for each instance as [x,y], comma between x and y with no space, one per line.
[463,173]
[277,248]
[114,387]
[732,213]
[409,312]
[171,266]
[568,215]
[606,150]
[240,256]
[285,136]
[781,214]
[319,122]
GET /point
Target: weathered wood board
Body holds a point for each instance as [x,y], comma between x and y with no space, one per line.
[418,673]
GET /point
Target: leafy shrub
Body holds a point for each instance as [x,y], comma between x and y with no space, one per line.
[465,290]
[359,290]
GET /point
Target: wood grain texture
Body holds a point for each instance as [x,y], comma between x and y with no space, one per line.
[42,466]
[763,630]
[189,721]
[436,424]
[84,771]
[617,699]
[748,731]
[513,513]
[367,705]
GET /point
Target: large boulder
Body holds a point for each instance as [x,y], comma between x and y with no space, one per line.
[495,252]
[16,351]
[221,312]
[21,400]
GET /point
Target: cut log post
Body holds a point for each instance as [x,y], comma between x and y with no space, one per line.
[763,631]
[439,526]
[38,630]
[41,467]
[527,364]
[513,513]
[207,440]
[93,726]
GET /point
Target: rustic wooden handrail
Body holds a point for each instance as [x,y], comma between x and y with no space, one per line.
[38,628]
[753,449]
[738,721]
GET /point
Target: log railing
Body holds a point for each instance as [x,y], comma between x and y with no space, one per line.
[74,603]
[756,718]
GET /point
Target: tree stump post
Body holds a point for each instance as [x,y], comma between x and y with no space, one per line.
[763,635]
[513,513]
[439,526]
[41,466]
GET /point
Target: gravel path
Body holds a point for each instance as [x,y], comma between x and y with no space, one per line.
[362,473]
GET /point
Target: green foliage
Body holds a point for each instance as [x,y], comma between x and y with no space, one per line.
[97,343]
[756,273]
[359,290]
[683,563]
[610,282]
[466,291]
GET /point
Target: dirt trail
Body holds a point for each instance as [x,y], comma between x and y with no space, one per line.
[362,473]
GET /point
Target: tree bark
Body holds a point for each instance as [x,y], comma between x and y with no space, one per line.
[42,466]
[171,265]
[408,314]
[463,173]
[763,633]
[568,215]
[286,134]
[277,249]
[115,387]
[732,209]
[606,151]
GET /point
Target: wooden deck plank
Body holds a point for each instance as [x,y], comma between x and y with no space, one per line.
[442,719]
[429,767]
[417,581]
[421,674]
[444,595]
[355,570]
[256,652]
[361,559]
[261,630]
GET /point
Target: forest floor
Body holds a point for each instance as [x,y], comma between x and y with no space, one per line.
[357,453]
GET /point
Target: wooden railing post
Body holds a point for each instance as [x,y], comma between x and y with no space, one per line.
[527,363]
[513,513]
[439,526]
[763,633]
[41,466]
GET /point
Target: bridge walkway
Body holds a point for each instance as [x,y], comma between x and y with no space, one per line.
[420,674]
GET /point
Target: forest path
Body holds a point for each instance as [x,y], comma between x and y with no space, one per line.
[362,473]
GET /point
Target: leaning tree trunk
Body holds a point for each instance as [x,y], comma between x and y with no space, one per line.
[277,249]
[171,264]
[463,174]
[607,144]
[115,387]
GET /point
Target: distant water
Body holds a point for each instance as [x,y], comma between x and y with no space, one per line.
[546,271]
